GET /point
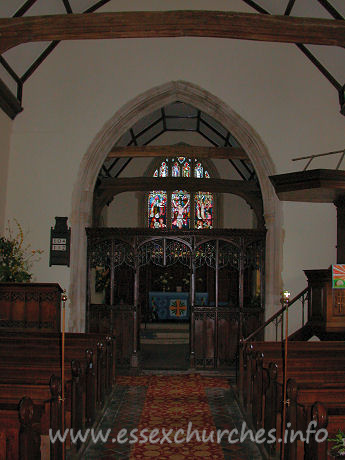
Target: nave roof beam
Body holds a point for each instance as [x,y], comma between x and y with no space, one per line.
[151,24]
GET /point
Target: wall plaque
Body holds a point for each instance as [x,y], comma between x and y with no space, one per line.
[60,238]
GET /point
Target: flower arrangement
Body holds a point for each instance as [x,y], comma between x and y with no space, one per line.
[16,258]
[186,280]
[102,279]
[163,281]
[338,449]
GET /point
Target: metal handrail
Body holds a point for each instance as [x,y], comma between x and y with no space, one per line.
[276,315]
[243,341]
[311,158]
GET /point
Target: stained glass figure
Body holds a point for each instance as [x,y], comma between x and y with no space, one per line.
[175,170]
[180,209]
[203,210]
[186,170]
[198,170]
[179,206]
[157,209]
[163,170]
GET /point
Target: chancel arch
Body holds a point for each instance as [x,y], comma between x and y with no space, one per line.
[111,134]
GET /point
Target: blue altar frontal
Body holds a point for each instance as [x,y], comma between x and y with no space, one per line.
[174,305]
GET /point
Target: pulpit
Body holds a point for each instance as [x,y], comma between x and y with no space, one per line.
[326,305]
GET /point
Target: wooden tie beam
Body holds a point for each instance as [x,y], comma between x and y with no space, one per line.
[188,151]
[154,24]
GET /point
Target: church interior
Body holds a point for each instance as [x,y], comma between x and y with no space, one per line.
[172,228]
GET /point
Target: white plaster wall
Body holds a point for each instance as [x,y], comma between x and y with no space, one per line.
[5,135]
[123,211]
[83,83]
[236,212]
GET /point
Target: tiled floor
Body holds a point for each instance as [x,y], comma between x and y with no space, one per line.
[123,412]
[227,416]
[126,407]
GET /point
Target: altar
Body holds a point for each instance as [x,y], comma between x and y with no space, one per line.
[174,305]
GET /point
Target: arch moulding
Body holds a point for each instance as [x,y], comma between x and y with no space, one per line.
[124,119]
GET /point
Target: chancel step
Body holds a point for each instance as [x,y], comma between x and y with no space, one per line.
[164,333]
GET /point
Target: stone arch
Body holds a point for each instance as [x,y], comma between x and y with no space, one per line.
[112,131]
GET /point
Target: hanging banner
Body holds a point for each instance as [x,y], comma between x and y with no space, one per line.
[338,276]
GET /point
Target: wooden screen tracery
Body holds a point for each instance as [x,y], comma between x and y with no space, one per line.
[227,264]
[177,251]
[163,252]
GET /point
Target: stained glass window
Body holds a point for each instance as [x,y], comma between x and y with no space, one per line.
[175,169]
[157,209]
[203,210]
[163,170]
[198,170]
[186,169]
[184,209]
[180,209]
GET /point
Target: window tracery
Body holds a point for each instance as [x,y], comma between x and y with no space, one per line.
[180,209]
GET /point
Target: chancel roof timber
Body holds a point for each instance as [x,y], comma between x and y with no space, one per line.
[17,67]
[177,117]
[183,150]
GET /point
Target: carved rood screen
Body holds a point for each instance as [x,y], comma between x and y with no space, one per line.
[212,278]
[223,257]
[164,253]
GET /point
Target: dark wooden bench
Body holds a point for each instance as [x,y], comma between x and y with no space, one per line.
[331,419]
[274,351]
[317,373]
[256,374]
[20,430]
[28,360]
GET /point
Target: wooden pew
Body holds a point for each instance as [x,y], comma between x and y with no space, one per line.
[301,397]
[329,419]
[3,449]
[27,361]
[48,346]
[298,407]
[20,431]
[317,367]
[329,353]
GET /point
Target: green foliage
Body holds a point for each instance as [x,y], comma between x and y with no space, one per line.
[339,443]
[163,281]
[102,279]
[16,259]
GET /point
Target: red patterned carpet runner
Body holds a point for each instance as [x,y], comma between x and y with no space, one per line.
[156,402]
[173,402]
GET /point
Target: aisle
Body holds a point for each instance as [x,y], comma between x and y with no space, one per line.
[172,402]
